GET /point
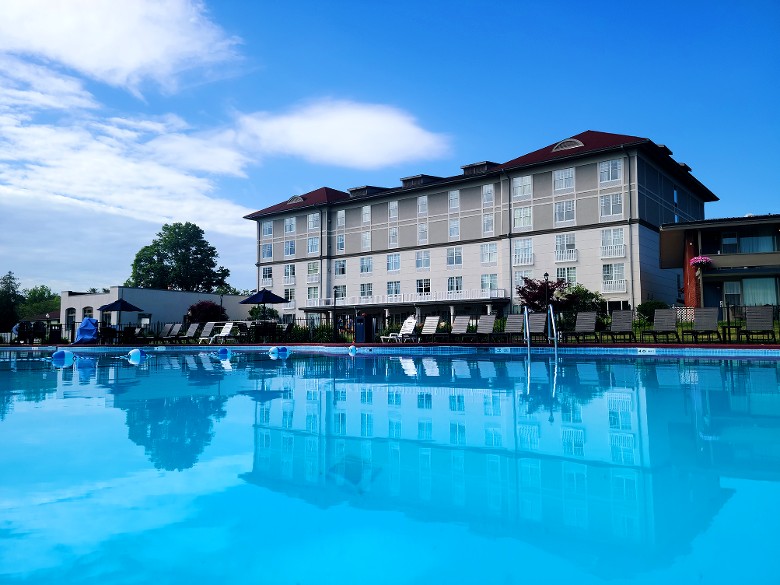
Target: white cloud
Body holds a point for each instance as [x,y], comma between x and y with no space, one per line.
[118,43]
[343,133]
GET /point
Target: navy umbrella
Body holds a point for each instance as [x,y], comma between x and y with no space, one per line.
[120,305]
[263,297]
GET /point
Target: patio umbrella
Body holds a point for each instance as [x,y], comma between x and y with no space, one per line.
[120,305]
[263,297]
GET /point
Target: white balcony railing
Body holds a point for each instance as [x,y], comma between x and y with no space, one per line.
[613,286]
[314,302]
[289,280]
[266,282]
[523,259]
[313,278]
[613,251]
[566,255]
[289,306]
[463,295]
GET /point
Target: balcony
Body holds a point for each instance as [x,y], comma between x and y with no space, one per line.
[523,259]
[266,282]
[412,298]
[613,286]
[289,306]
[614,251]
[289,280]
[313,278]
[566,255]
[314,302]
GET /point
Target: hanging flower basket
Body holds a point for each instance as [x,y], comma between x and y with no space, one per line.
[701,261]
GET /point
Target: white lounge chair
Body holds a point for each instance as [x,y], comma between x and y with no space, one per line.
[405,334]
[224,334]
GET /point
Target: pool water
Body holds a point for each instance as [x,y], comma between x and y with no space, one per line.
[208,468]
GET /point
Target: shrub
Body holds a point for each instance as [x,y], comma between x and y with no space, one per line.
[206,311]
[646,311]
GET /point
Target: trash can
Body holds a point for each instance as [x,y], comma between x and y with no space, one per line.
[364,329]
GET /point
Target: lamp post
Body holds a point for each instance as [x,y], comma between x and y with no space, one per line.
[546,291]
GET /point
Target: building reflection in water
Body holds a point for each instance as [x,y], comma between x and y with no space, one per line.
[616,464]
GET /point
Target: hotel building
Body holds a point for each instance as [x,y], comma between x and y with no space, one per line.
[586,209]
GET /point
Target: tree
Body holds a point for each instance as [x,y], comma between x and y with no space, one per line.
[263,313]
[10,298]
[532,293]
[38,300]
[179,258]
[206,311]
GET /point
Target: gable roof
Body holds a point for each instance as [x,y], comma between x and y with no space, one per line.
[590,142]
[321,196]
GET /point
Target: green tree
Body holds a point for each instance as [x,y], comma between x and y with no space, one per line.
[206,311]
[532,293]
[37,301]
[10,298]
[262,313]
[179,258]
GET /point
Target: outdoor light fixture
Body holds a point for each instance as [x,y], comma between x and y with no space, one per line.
[546,291]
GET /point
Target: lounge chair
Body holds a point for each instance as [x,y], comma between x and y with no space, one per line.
[585,326]
[622,325]
[460,326]
[190,334]
[537,326]
[430,327]
[759,321]
[166,330]
[405,334]
[665,324]
[173,334]
[205,335]
[705,322]
[485,327]
[514,326]
[224,334]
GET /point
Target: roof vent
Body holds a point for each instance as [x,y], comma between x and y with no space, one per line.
[365,191]
[567,144]
[295,199]
[478,168]
[418,181]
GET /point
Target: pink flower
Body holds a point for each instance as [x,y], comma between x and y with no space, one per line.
[701,261]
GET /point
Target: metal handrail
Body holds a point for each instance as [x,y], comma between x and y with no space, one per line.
[552,327]
[526,331]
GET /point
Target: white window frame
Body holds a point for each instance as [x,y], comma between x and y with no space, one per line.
[365,214]
[423,286]
[491,280]
[366,290]
[340,268]
[313,221]
[289,248]
[341,218]
[488,223]
[610,171]
[568,274]
[522,188]
[422,233]
[454,284]
[392,237]
[266,252]
[454,228]
[340,242]
[365,241]
[268,228]
[563,180]
[488,196]
[422,260]
[455,257]
[313,293]
[268,273]
[488,253]
[523,218]
[392,210]
[394,262]
[289,225]
[422,205]
[340,291]
[565,211]
[393,288]
[453,200]
[313,245]
[611,203]
[366,265]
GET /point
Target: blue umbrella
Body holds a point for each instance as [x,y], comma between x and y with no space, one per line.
[262,297]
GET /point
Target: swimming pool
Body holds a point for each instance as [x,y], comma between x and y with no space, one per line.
[202,468]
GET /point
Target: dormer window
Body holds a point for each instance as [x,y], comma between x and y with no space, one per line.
[295,199]
[567,144]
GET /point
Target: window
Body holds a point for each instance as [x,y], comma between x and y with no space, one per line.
[423,286]
[424,430]
[366,214]
[455,229]
[340,267]
[393,262]
[454,201]
[564,211]
[488,253]
[313,221]
[424,400]
[340,291]
[392,237]
[289,225]
[522,188]
[563,180]
[422,205]
[313,268]
[392,210]
[457,433]
[422,233]
[487,223]
[729,243]
[289,248]
[610,170]
[612,243]
[489,282]
[393,398]
[289,294]
[568,275]
[289,271]
[341,219]
[365,241]
[457,403]
[313,293]
[487,196]
[522,218]
[611,204]
[732,292]
[565,248]
[366,289]
[340,243]
[267,252]
[87,312]
[455,257]
[455,284]
[613,272]
[313,245]
[523,252]
[620,407]
[520,276]
[366,265]
[393,288]
[267,273]
[423,260]
[366,424]
[268,228]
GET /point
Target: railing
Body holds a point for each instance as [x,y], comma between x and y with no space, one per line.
[289,305]
[313,302]
[614,251]
[410,298]
[613,286]
[313,278]
[289,280]
[523,259]
[566,255]
[266,282]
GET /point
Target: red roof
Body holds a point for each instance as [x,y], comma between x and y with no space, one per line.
[591,140]
[321,196]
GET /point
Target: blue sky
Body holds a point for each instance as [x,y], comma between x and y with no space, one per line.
[117,118]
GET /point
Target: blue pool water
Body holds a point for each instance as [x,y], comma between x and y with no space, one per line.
[201,468]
